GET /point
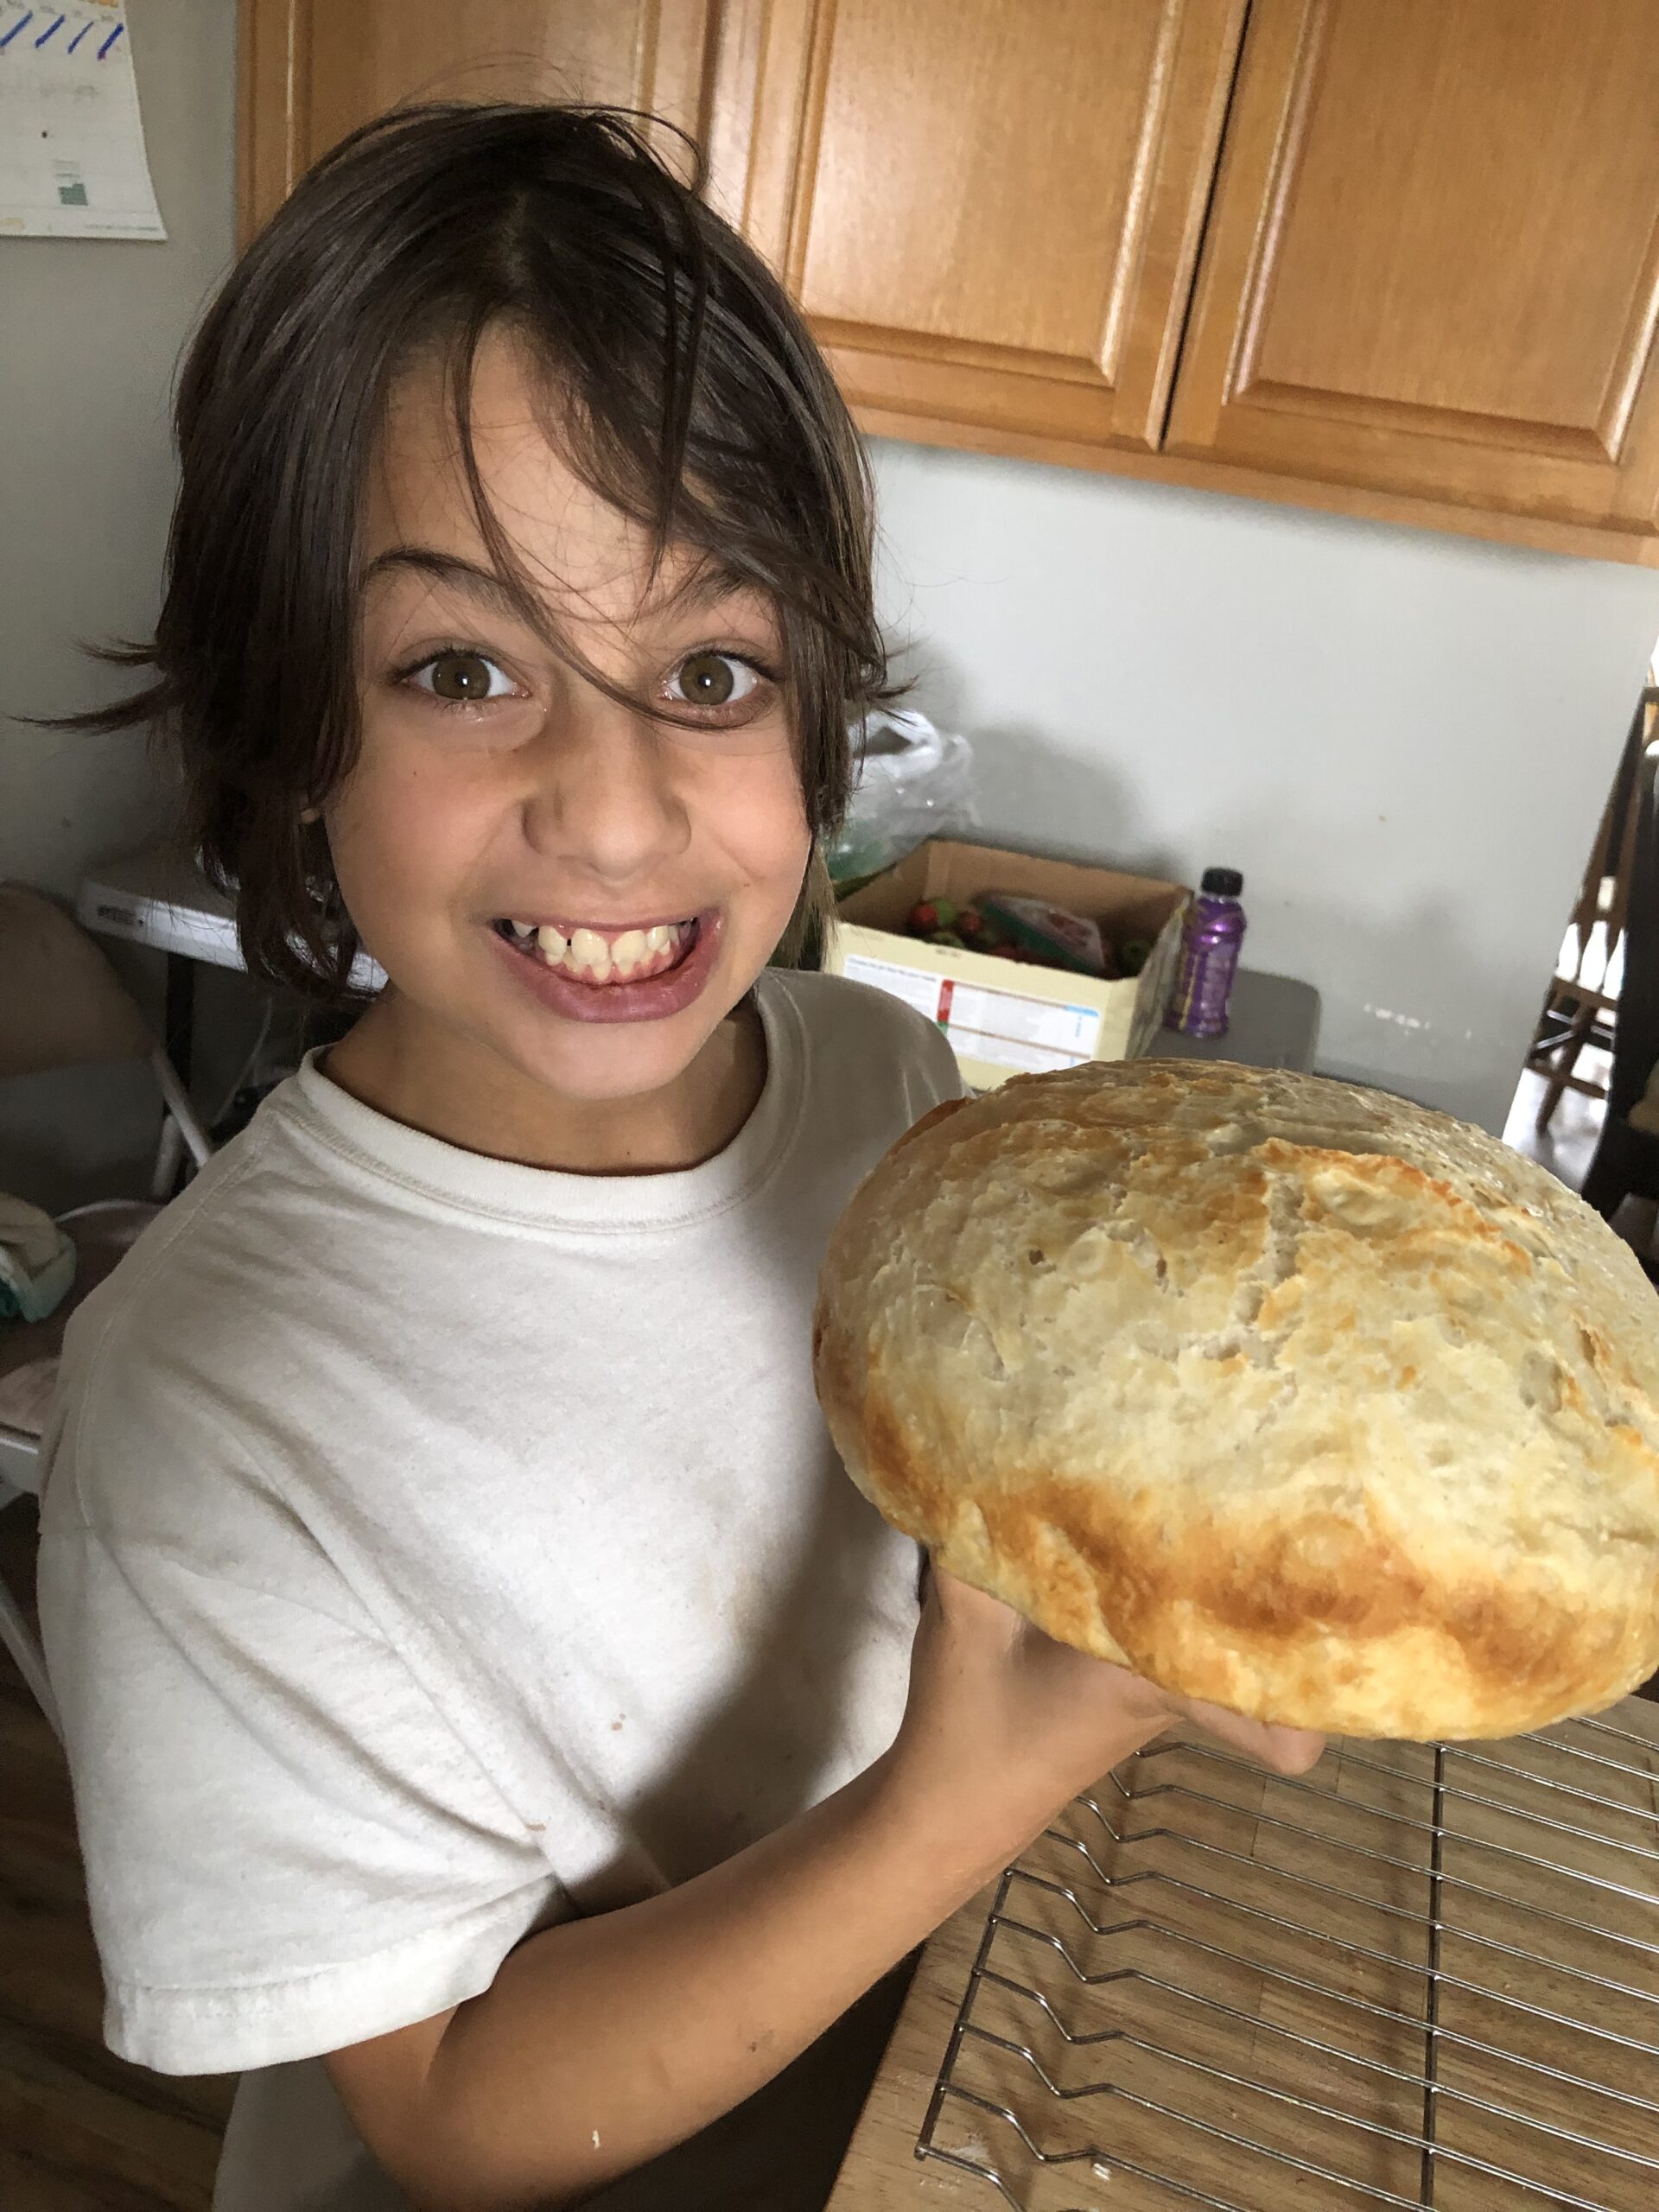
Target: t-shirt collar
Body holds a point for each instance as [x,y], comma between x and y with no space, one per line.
[426,1166]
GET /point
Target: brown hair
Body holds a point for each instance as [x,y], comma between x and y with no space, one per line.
[690,394]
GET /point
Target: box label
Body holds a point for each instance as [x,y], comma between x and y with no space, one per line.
[1001,1028]
[914,985]
[1034,1035]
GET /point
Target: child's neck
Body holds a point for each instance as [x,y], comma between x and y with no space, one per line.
[449,1086]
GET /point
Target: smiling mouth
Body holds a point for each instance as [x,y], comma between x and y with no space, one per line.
[603,959]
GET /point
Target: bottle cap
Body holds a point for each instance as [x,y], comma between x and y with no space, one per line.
[1222,882]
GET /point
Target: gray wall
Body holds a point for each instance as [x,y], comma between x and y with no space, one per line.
[1404,738]
[90,331]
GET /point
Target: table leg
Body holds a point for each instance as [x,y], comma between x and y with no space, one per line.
[180,1016]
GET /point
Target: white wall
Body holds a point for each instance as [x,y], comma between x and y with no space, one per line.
[90,330]
[1404,738]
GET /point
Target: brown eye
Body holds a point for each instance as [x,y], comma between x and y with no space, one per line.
[460,676]
[714,680]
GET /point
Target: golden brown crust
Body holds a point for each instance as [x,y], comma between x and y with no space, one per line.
[1296,1396]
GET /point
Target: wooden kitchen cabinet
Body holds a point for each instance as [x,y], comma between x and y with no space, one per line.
[1432,266]
[1393,257]
[313,70]
[989,211]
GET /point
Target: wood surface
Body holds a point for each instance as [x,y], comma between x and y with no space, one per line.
[1398,264]
[991,213]
[311,72]
[1182,471]
[1432,266]
[1217,2005]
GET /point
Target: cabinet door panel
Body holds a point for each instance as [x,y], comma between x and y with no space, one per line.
[989,209]
[1433,262]
[312,71]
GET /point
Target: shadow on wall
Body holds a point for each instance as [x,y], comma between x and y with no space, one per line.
[1415,996]
[1409,1002]
[1018,773]
[1442,1028]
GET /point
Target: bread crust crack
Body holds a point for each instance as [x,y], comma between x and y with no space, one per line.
[1299,1397]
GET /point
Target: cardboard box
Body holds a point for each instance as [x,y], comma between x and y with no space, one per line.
[1001,1017]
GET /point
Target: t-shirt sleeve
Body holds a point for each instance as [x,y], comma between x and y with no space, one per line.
[868,1035]
[287,1848]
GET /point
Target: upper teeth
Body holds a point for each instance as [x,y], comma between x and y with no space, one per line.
[597,957]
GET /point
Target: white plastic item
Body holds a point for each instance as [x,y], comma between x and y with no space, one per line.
[914,782]
[37,1261]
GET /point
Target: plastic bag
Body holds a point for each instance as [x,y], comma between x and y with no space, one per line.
[914,782]
[37,1261]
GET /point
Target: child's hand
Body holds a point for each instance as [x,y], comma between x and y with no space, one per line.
[603,2040]
[1008,1726]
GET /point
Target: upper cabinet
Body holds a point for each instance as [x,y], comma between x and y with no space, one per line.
[313,70]
[990,212]
[1394,257]
[1433,262]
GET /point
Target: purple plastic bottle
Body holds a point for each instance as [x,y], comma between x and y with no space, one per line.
[1209,942]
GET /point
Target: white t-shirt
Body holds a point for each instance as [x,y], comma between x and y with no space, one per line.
[434,1547]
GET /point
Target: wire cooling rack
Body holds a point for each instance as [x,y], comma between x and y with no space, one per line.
[1419,1976]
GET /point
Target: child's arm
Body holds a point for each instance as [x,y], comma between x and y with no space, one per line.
[603,2041]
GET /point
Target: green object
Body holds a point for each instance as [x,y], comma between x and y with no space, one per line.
[1133,954]
[845,886]
[947,936]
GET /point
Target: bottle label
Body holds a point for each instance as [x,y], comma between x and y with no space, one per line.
[1209,962]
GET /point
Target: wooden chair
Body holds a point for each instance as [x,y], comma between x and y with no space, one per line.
[62,1006]
[1580,1007]
[1626,1162]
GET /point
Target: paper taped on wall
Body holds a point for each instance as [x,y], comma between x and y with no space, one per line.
[71,142]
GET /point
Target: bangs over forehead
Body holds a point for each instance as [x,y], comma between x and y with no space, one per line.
[686,544]
[682,387]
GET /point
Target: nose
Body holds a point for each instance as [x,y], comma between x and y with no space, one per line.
[604,802]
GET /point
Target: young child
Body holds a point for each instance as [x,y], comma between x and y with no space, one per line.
[500,1731]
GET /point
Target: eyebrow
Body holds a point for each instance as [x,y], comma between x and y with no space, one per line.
[710,582]
[480,584]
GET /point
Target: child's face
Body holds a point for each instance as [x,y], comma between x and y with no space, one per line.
[496,787]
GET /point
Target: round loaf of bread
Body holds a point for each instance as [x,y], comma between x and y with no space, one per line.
[1290,1394]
